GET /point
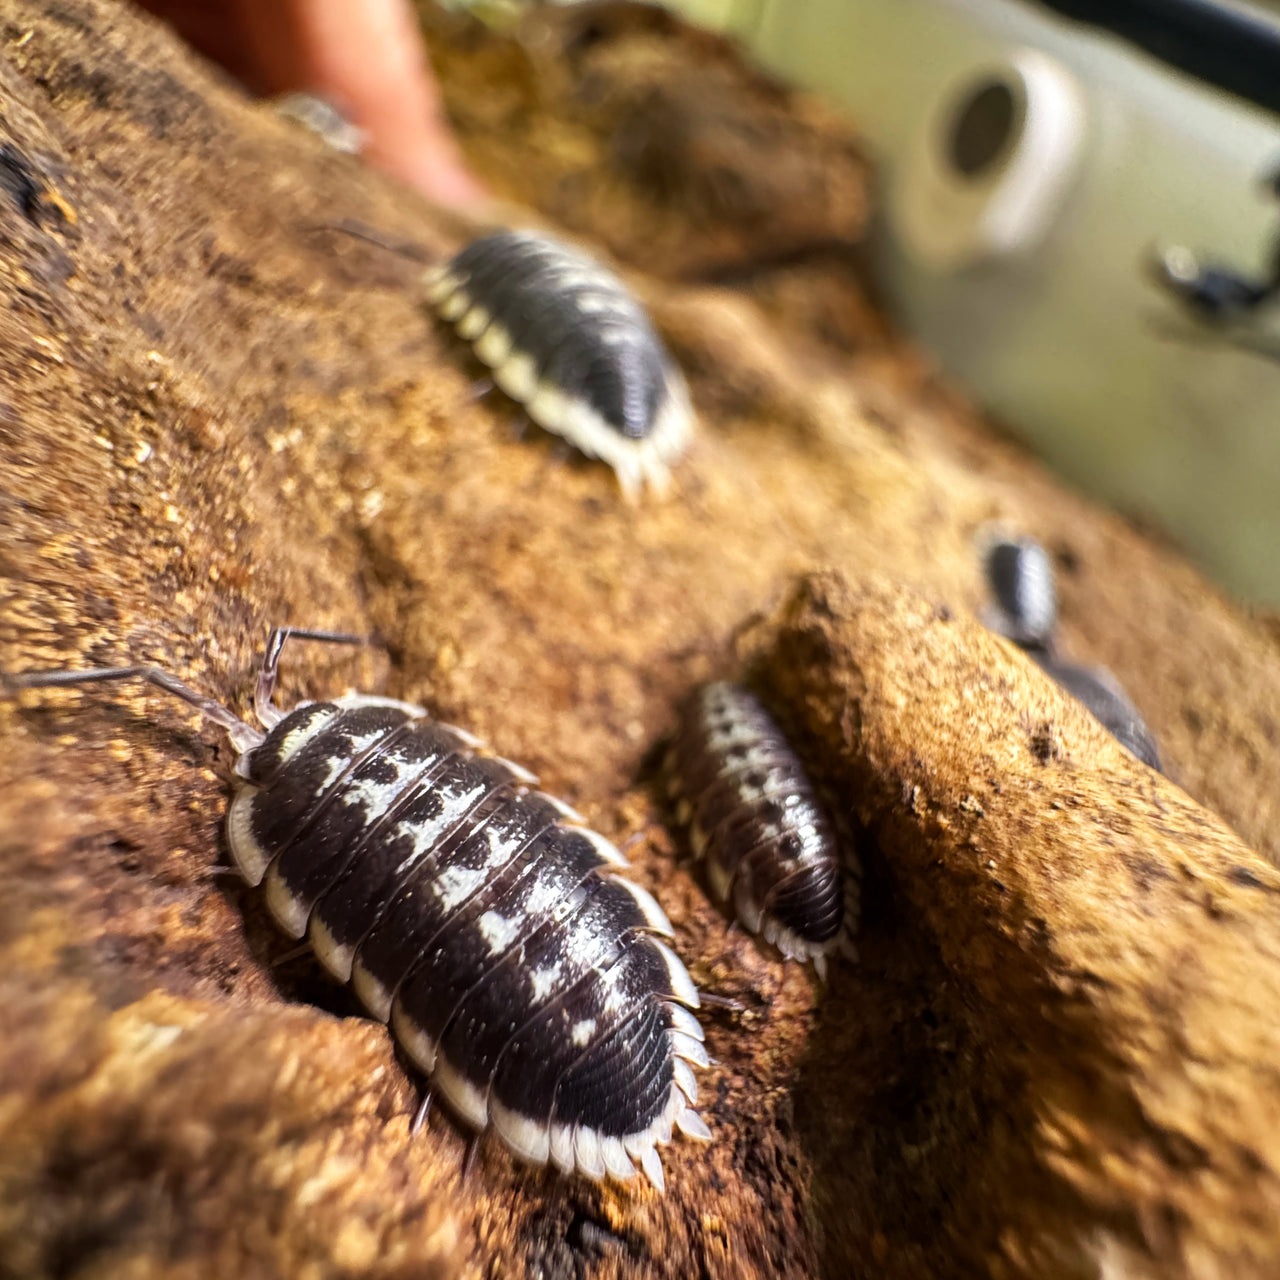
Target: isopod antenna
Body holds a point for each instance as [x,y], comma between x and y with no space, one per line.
[360,231]
[243,735]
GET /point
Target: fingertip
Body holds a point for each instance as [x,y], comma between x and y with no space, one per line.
[440,174]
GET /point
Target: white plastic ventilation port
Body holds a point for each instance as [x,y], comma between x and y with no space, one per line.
[991,164]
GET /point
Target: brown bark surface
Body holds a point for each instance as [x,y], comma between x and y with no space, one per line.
[1057,1055]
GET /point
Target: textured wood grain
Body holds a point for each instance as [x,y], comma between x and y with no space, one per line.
[1103,961]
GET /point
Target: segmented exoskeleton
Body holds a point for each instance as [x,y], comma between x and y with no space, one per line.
[476,915]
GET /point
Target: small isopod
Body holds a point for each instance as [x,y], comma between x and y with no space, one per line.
[1020,575]
[566,339]
[322,118]
[476,915]
[753,815]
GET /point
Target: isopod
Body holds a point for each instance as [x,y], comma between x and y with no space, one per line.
[1021,578]
[753,815]
[567,340]
[1020,575]
[476,915]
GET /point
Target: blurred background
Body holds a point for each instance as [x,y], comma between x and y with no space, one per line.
[1078,216]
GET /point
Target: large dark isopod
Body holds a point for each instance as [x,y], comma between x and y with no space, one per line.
[566,339]
[473,913]
[753,815]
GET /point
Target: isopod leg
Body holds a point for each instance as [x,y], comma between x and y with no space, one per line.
[721,1002]
[420,1116]
[469,1161]
[288,957]
[268,714]
[631,841]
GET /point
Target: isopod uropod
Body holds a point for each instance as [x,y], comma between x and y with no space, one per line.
[753,815]
[566,339]
[476,915]
[1020,575]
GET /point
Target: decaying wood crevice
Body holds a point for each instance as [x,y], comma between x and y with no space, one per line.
[1104,951]
[1057,1054]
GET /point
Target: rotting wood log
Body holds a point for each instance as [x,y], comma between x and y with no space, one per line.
[1074,972]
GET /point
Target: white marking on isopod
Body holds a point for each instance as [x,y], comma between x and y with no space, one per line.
[654,916]
[517,376]
[683,1020]
[543,981]
[427,832]
[605,848]
[494,346]
[453,305]
[249,856]
[498,931]
[528,1138]
[455,884]
[371,795]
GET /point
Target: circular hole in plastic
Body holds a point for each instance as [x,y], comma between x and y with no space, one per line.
[983,127]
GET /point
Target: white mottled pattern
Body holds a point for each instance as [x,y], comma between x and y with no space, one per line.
[426,833]
[455,884]
[542,895]
[502,846]
[544,981]
[338,763]
[499,931]
[738,733]
[372,796]
[375,797]
[603,302]
[615,994]
[582,1032]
